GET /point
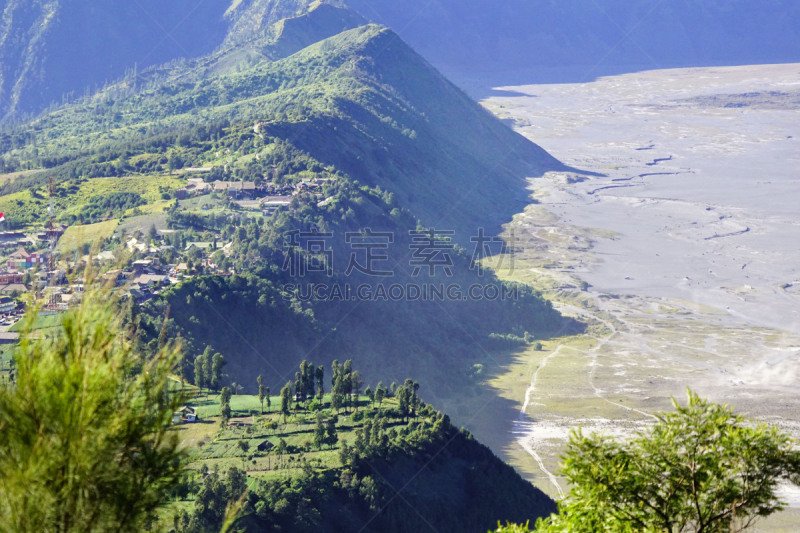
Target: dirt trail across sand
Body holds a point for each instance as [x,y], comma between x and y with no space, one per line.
[684,258]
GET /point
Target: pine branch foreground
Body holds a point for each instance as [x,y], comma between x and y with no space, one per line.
[85,443]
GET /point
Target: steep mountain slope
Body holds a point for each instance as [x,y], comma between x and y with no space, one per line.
[362,102]
[577,40]
[321,21]
[429,476]
[358,109]
[256,19]
[395,146]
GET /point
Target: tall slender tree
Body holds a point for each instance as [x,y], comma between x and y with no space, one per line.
[207,369]
[320,375]
[337,396]
[331,438]
[260,380]
[225,405]
[403,394]
[380,393]
[309,388]
[217,362]
[298,390]
[370,394]
[355,385]
[199,372]
[286,400]
[336,370]
[347,381]
[319,432]
[301,376]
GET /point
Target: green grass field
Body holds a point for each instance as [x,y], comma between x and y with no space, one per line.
[11,176]
[29,207]
[76,236]
[41,322]
[6,350]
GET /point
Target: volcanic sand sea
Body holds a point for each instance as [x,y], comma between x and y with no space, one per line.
[689,243]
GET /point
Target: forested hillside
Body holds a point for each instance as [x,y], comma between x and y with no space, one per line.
[361,102]
[275,201]
[391,146]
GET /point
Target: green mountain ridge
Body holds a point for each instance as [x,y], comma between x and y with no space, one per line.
[359,109]
[398,149]
[361,101]
[260,19]
[52,50]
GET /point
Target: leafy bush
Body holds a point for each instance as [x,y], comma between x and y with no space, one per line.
[104,207]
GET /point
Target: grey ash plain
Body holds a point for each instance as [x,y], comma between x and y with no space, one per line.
[689,242]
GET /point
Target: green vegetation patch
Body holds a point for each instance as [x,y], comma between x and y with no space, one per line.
[87,200]
[76,237]
[41,322]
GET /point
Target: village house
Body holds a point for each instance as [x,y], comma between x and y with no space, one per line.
[185,414]
[145,266]
[7,304]
[9,245]
[201,245]
[13,288]
[51,233]
[104,256]
[271,203]
[10,277]
[12,239]
[135,291]
[237,189]
[9,337]
[194,186]
[134,244]
[51,277]
[116,276]
[71,299]
[180,268]
[12,236]
[21,259]
[151,281]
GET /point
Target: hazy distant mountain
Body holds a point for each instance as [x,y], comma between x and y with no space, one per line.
[52,47]
[255,18]
[49,48]
[577,40]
